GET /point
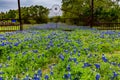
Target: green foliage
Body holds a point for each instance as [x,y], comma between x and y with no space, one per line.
[30,15]
[104,11]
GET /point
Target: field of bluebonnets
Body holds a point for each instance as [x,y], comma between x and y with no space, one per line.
[39,54]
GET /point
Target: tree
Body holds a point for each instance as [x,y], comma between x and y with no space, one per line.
[33,14]
[104,11]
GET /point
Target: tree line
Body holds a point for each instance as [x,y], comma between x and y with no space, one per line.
[74,12]
[80,11]
[30,15]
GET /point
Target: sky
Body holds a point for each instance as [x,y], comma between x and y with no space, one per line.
[6,5]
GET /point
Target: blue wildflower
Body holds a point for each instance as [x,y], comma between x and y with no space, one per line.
[97,77]
[61,57]
[6,65]
[75,59]
[14,78]
[0,65]
[36,77]
[97,66]
[78,54]
[89,55]
[68,68]
[51,72]
[10,46]
[86,65]
[8,58]
[39,56]
[1,73]
[3,38]
[66,51]
[113,63]
[43,55]
[101,35]
[70,59]
[66,76]
[46,77]
[23,53]
[3,44]
[35,51]
[118,65]
[1,78]
[115,74]
[71,53]
[39,72]
[104,58]
[26,78]
[69,75]
[75,51]
[16,44]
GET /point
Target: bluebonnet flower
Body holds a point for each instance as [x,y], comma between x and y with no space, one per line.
[35,51]
[16,44]
[77,62]
[65,76]
[14,78]
[1,73]
[58,45]
[115,74]
[26,78]
[36,77]
[39,56]
[1,78]
[104,58]
[43,55]
[3,44]
[119,34]
[69,75]
[89,55]
[97,77]
[23,53]
[86,65]
[71,53]
[3,38]
[97,66]
[119,65]
[39,72]
[6,65]
[76,79]
[46,77]
[75,51]
[75,59]
[49,36]
[26,69]
[61,57]
[78,54]
[101,35]
[68,68]
[113,63]
[51,72]
[66,51]
[0,65]
[8,58]
[70,59]
[10,46]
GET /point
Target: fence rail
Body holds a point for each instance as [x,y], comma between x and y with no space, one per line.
[6,25]
[107,25]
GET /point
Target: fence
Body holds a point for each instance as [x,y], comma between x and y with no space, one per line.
[8,25]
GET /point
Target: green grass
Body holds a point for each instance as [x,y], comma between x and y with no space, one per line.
[52,43]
